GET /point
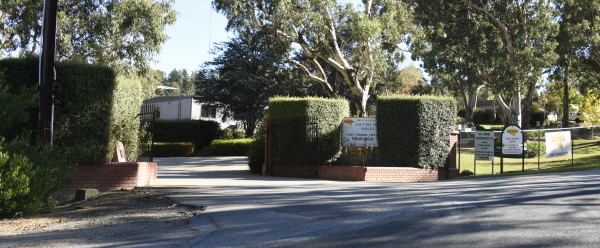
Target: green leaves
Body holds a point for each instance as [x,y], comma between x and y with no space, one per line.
[125,34]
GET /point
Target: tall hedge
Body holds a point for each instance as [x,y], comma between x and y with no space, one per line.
[414,131]
[91,110]
[199,132]
[326,113]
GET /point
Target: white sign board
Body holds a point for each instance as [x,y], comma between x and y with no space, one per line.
[359,131]
[119,152]
[484,145]
[512,140]
[558,144]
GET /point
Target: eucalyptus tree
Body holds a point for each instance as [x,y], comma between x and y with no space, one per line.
[456,49]
[359,41]
[579,47]
[125,34]
[504,45]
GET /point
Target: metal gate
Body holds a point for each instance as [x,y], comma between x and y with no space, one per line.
[293,147]
[147,118]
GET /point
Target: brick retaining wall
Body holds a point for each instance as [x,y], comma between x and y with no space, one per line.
[380,174]
[111,176]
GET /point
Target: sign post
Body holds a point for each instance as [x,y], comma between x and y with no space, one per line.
[484,146]
[513,142]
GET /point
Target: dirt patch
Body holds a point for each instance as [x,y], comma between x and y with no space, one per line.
[104,219]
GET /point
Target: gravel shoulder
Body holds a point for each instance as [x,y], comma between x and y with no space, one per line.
[137,218]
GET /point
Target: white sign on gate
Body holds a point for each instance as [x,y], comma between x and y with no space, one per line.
[558,144]
[484,145]
[359,131]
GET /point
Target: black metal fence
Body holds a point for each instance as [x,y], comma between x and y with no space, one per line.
[585,147]
[292,147]
[147,117]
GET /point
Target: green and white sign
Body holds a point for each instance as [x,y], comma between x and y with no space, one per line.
[484,145]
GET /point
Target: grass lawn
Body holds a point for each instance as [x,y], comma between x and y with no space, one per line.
[586,155]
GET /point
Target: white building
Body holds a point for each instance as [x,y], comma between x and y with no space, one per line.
[186,107]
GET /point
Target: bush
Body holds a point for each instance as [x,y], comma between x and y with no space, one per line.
[230,147]
[483,116]
[92,109]
[414,131]
[30,175]
[290,142]
[256,151]
[229,133]
[172,149]
[199,132]
[466,173]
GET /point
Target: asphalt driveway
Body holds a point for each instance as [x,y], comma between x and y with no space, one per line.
[244,210]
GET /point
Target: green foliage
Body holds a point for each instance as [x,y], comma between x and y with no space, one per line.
[29,175]
[256,151]
[229,133]
[172,149]
[248,71]
[16,110]
[483,116]
[466,173]
[125,123]
[92,109]
[119,33]
[326,113]
[199,132]
[414,131]
[359,41]
[231,147]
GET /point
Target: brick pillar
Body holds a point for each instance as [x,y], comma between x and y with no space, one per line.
[452,171]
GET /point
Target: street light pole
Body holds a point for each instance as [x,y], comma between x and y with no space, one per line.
[47,74]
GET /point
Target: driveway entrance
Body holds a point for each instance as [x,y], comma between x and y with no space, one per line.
[244,210]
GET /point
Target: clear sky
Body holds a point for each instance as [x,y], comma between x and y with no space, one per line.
[197,28]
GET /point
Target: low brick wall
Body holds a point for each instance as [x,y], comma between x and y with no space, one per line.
[111,176]
[382,174]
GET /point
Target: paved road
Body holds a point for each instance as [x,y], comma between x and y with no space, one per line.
[243,210]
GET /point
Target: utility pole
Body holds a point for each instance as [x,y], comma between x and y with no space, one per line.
[47,74]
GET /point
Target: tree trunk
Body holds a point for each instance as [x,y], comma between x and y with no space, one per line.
[565,117]
[527,104]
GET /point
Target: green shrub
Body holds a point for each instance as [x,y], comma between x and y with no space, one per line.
[172,149]
[414,131]
[125,123]
[466,173]
[15,112]
[290,142]
[92,109]
[30,175]
[199,132]
[229,133]
[256,151]
[483,116]
[230,147]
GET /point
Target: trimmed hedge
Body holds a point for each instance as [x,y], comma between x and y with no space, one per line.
[291,146]
[230,147]
[414,131]
[256,151]
[172,149]
[92,108]
[199,132]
